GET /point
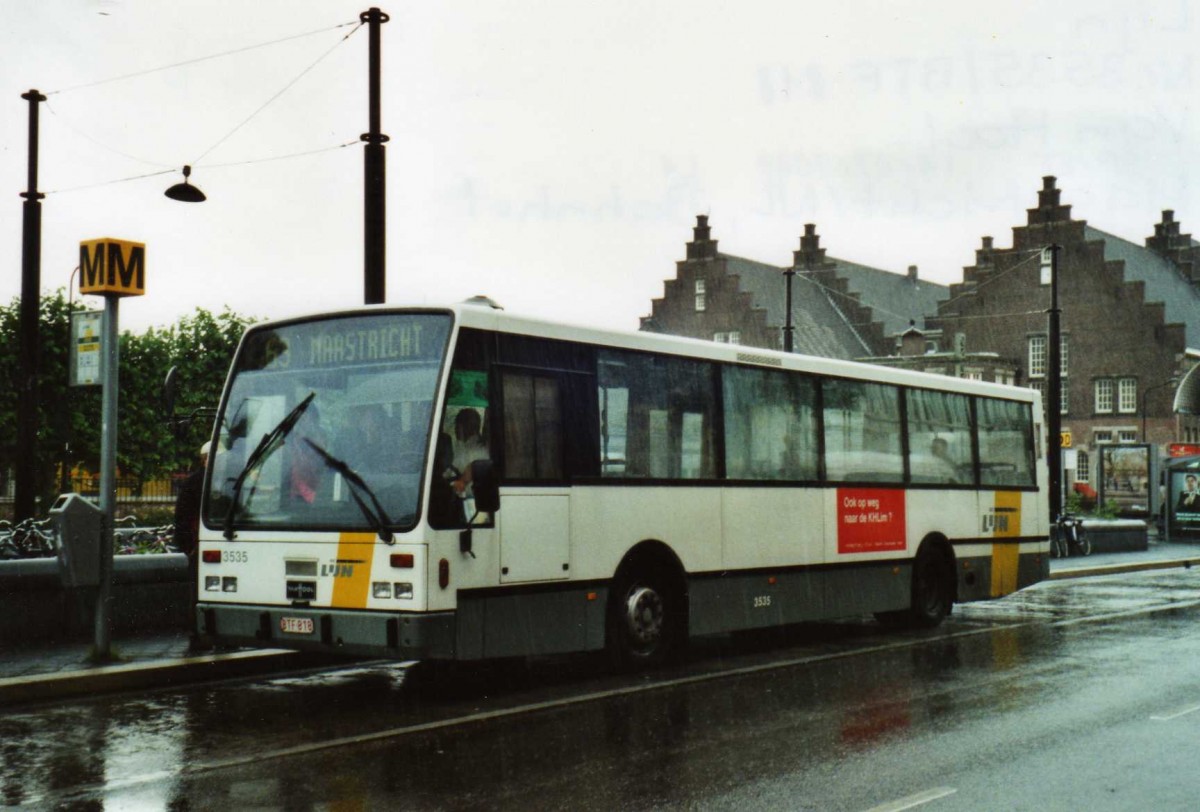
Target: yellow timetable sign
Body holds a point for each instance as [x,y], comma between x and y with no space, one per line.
[112,267]
[1066,439]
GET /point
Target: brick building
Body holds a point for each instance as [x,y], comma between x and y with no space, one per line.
[1129,315]
[840,309]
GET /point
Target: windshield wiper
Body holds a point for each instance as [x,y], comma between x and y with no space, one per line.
[378,517]
[265,447]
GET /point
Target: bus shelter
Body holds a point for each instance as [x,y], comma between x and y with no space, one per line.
[1182,498]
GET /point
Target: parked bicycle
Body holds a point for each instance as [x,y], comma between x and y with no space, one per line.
[1070,538]
[144,540]
[29,538]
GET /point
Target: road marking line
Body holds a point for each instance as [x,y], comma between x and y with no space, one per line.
[1176,715]
[913,801]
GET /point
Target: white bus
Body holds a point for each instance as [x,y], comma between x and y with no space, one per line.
[463,483]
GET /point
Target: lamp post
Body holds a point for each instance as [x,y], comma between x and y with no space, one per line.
[1145,395]
[1054,391]
[374,174]
[25,497]
[789,329]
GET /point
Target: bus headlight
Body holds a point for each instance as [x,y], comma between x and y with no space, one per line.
[229,584]
[212,583]
[381,589]
[404,592]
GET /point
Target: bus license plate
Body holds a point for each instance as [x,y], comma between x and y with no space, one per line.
[296,625]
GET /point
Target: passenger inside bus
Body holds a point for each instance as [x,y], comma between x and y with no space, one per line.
[307,469]
[469,446]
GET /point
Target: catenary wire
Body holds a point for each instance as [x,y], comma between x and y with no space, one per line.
[283,90]
[186,62]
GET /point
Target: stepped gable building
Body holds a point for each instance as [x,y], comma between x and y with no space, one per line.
[1129,315]
[840,309]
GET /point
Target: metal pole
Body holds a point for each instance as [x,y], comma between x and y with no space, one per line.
[789,329]
[25,496]
[65,472]
[108,470]
[374,174]
[1054,392]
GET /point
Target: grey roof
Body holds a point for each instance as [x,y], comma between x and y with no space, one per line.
[822,326]
[894,297]
[1163,281]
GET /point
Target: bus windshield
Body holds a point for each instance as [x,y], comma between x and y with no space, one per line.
[326,424]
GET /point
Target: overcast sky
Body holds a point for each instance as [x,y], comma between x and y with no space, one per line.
[553,155]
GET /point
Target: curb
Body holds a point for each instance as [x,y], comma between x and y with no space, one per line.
[1115,569]
[152,674]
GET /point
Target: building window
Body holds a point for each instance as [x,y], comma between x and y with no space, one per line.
[1082,467]
[735,337]
[1037,356]
[1046,265]
[1062,352]
[1127,396]
[1005,378]
[1063,399]
[1126,436]
[1100,437]
[1104,396]
[936,370]
[701,301]
[1039,386]
[719,338]
[973,374]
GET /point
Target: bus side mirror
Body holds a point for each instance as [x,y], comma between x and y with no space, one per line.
[170,387]
[485,486]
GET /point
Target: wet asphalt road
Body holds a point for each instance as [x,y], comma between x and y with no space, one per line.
[1079,694]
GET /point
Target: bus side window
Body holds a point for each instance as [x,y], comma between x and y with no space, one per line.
[533,426]
[657,416]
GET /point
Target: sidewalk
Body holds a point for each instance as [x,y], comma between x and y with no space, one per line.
[1160,555]
[34,673]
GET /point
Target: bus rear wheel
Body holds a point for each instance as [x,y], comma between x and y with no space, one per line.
[932,588]
[644,620]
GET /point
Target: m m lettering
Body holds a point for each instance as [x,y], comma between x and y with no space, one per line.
[111,267]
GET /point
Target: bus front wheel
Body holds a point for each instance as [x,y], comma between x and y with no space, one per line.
[644,620]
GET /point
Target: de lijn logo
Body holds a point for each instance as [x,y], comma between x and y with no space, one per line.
[112,267]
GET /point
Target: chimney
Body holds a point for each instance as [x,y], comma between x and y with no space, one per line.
[1050,208]
[811,255]
[702,245]
[912,273]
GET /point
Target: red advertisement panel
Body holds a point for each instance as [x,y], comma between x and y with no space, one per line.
[870,520]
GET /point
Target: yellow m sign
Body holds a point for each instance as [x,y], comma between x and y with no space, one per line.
[112,267]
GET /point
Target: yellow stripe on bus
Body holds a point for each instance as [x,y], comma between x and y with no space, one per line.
[352,584]
[1006,557]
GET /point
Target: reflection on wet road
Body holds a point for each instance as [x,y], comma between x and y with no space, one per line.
[826,716]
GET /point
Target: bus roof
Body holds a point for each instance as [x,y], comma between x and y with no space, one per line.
[480,313]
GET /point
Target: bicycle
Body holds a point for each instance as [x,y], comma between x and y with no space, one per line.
[36,538]
[1070,538]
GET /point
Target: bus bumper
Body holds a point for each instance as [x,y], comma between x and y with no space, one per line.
[405,636]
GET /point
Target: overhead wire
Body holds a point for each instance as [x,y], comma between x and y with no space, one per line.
[834,292]
[168,168]
[283,90]
[186,62]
